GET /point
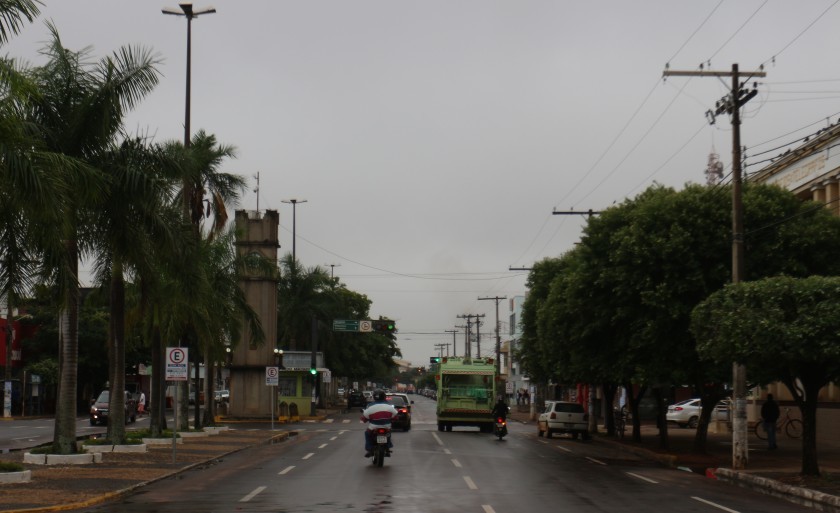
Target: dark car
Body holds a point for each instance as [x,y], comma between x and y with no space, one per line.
[99,408]
[403,407]
[356,398]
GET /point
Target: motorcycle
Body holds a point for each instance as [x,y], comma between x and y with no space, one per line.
[380,448]
[500,428]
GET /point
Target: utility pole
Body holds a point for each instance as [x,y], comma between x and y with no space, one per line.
[467,343]
[440,349]
[591,387]
[454,347]
[498,336]
[732,104]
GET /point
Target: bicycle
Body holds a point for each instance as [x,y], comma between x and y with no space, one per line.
[792,427]
[620,421]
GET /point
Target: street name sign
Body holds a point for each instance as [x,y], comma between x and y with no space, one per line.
[345,325]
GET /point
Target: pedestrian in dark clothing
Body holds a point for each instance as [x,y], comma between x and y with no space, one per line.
[769,415]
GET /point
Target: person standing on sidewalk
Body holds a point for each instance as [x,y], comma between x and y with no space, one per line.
[769,415]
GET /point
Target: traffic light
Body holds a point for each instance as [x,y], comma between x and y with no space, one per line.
[384,326]
[434,359]
[313,371]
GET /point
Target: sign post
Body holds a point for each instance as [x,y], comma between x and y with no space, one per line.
[272,379]
[176,370]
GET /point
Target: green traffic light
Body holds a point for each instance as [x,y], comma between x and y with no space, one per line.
[313,371]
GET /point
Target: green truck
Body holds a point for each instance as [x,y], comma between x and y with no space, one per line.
[466,391]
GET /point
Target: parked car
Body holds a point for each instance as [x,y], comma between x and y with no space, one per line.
[222,396]
[563,417]
[687,413]
[100,406]
[403,407]
[356,398]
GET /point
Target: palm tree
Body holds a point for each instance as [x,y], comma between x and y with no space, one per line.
[131,220]
[78,111]
[300,295]
[205,192]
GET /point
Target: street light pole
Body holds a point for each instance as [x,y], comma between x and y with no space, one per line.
[188,12]
[294,203]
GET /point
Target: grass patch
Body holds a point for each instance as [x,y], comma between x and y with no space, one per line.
[10,466]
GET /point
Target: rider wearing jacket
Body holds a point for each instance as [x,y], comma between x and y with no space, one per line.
[378,414]
[501,409]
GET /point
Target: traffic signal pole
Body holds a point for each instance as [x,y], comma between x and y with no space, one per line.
[732,105]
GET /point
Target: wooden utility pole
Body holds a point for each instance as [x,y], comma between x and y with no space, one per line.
[732,104]
[498,337]
[454,347]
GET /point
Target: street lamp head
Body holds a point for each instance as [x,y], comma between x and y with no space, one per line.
[187,10]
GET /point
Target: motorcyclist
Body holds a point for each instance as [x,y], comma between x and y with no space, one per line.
[378,414]
[500,409]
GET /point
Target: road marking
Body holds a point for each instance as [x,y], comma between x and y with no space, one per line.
[710,503]
[564,448]
[447,451]
[345,421]
[643,478]
[329,421]
[322,446]
[439,441]
[308,456]
[333,439]
[456,463]
[470,484]
[593,460]
[253,494]
[286,470]
[488,508]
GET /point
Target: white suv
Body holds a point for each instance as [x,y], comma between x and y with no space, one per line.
[563,417]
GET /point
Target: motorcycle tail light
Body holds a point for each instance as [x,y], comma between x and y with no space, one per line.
[381,431]
[501,421]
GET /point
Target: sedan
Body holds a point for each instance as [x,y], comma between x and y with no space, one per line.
[403,407]
[687,413]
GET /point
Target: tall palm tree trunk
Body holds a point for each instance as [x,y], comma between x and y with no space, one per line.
[64,438]
[116,350]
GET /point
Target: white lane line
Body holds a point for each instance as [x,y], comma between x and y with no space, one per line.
[564,448]
[345,421]
[593,460]
[456,463]
[253,494]
[439,441]
[329,421]
[488,508]
[286,470]
[710,503]
[322,446]
[447,451]
[308,456]
[333,439]
[643,478]
[470,484]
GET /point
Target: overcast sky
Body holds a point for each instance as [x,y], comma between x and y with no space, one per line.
[432,140]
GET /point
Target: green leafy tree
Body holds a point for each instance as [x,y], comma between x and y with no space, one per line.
[783,329]
[641,268]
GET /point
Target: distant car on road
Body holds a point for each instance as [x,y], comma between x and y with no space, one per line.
[403,406]
[100,408]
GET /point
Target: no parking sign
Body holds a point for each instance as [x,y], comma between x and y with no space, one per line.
[176,364]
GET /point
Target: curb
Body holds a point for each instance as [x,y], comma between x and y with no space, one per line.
[776,488]
[126,491]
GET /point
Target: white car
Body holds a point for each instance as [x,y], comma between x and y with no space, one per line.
[563,417]
[687,413]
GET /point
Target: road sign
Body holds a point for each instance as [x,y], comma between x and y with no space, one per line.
[365,326]
[176,364]
[272,376]
[345,325]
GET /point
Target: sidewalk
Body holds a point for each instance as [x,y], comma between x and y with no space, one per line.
[775,472]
